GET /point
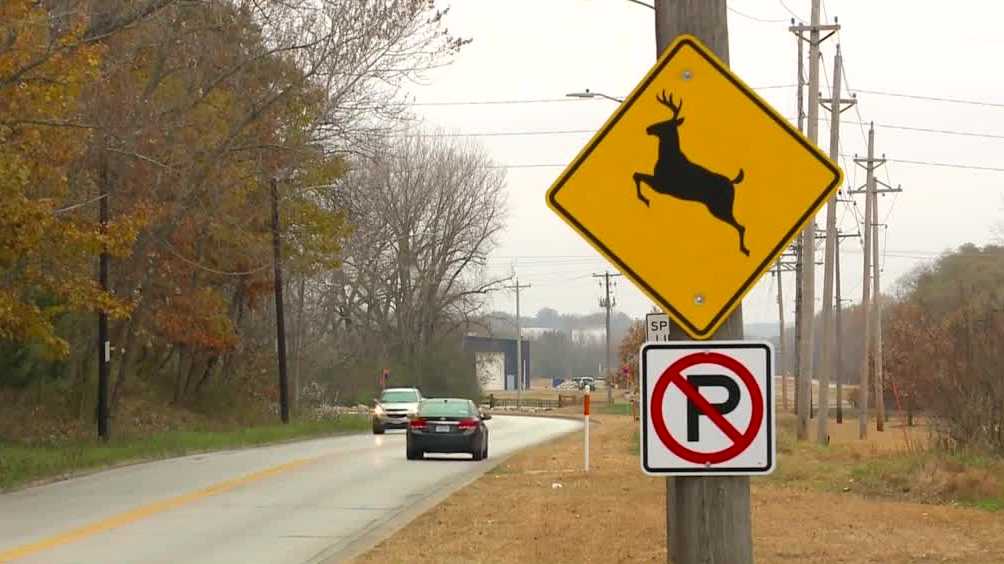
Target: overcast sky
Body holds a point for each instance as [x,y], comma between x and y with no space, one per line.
[542,49]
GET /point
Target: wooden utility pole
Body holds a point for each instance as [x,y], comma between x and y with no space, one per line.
[782,345]
[104,345]
[871,284]
[877,317]
[280,320]
[796,367]
[807,344]
[808,256]
[607,304]
[836,106]
[519,344]
[866,287]
[708,519]
[840,334]
[807,259]
[796,354]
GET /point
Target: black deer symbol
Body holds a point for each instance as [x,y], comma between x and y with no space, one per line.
[677,176]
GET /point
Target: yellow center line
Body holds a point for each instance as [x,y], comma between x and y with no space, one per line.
[142,512]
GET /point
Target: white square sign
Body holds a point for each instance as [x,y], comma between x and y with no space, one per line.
[656,327]
[707,408]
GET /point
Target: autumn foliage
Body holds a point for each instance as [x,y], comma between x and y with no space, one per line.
[181,115]
[943,351]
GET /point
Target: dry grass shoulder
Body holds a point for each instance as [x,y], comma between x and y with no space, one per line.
[539,506]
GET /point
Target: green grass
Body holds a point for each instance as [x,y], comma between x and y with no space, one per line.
[21,464]
[615,409]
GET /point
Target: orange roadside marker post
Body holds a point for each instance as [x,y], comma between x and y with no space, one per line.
[585,413]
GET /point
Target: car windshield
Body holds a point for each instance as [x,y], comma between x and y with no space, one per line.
[399,396]
[439,408]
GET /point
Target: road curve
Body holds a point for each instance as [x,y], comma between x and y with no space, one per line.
[310,501]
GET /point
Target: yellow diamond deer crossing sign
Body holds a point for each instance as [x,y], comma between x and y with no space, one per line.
[694,187]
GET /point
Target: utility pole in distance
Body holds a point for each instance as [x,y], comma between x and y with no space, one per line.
[839,304]
[708,519]
[877,301]
[796,354]
[837,105]
[870,166]
[608,304]
[782,360]
[519,343]
[104,346]
[280,321]
[781,337]
[808,285]
[872,357]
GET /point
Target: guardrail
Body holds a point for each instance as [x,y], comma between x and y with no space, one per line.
[563,400]
[494,402]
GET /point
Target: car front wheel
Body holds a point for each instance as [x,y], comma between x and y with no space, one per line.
[377,428]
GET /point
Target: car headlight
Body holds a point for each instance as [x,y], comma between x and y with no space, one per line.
[378,410]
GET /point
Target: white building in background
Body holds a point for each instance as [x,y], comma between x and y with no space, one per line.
[534,333]
[591,335]
[580,336]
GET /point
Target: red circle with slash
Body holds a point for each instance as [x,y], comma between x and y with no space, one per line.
[674,376]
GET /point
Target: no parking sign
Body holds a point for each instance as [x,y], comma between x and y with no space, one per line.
[707,408]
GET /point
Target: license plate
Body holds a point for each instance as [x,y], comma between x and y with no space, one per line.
[442,429]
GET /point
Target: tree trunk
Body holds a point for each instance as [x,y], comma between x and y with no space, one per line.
[207,373]
[128,359]
[192,369]
[298,348]
[178,380]
[85,369]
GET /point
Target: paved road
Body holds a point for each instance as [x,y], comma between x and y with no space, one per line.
[311,501]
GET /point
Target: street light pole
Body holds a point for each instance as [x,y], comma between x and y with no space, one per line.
[588,94]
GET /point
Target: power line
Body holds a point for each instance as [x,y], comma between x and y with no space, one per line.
[170,248]
[789,10]
[934,98]
[756,19]
[547,100]
[885,247]
[857,109]
[530,132]
[588,131]
[507,133]
[904,161]
[80,205]
[494,102]
[942,131]
[947,165]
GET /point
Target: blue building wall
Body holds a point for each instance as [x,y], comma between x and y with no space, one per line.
[475,344]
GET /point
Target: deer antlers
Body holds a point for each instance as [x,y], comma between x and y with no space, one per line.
[668,102]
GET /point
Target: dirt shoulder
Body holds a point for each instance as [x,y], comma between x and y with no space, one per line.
[539,506]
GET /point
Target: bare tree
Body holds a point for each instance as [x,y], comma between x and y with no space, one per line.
[425,218]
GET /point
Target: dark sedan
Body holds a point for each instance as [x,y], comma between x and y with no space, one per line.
[448,426]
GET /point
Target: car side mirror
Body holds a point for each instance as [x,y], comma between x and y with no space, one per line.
[486,416]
